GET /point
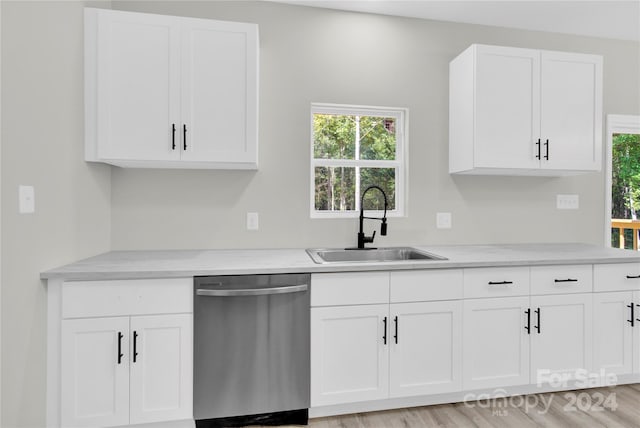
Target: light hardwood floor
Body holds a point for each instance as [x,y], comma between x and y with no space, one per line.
[563,411]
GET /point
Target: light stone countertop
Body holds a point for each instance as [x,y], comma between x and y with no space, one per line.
[187,263]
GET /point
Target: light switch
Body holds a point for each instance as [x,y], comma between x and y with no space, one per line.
[567,202]
[253,221]
[443,220]
[26,199]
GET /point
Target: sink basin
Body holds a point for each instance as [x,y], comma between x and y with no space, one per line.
[370,255]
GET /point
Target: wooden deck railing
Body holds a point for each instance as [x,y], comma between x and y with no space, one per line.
[621,225]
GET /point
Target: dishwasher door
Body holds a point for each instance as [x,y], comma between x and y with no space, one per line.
[251,345]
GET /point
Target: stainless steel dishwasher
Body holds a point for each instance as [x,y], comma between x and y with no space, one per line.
[251,350]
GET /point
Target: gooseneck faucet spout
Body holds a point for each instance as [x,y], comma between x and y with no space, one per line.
[362,238]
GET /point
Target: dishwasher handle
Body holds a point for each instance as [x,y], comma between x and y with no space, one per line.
[252,291]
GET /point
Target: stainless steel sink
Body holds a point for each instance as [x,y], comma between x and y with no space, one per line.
[370,255]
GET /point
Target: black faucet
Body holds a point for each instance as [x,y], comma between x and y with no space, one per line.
[362,238]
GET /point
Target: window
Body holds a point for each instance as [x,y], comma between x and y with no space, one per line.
[622,227]
[353,148]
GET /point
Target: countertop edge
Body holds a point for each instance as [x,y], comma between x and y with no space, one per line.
[96,275]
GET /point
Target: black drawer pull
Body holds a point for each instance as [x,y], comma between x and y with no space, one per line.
[184,137]
[135,346]
[500,282]
[395,336]
[566,280]
[384,336]
[546,156]
[120,354]
[633,276]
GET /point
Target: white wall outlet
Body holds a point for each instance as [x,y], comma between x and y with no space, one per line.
[26,199]
[443,220]
[567,202]
[253,221]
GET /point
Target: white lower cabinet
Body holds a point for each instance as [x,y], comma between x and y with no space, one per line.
[617,318]
[95,378]
[349,357]
[615,332]
[524,340]
[496,342]
[425,351]
[120,352]
[126,370]
[636,332]
[373,352]
[561,336]
[161,385]
[385,350]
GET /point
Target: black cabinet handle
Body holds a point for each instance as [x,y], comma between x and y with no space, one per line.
[546,145]
[528,326]
[633,276]
[632,315]
[135,346]
[184,137]
[537,327]
[539,151]
[120,354]
[173,136]
[632,319]
[500,282]
[566,280]
[395,336]
[384,336]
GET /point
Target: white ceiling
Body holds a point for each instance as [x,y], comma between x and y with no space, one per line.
[611,19]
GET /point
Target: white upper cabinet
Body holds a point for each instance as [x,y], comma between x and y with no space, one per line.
[170,92]
[507,108]
[571,111]
[517,111]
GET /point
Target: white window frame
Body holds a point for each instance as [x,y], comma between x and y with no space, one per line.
[616,124]
[400,163]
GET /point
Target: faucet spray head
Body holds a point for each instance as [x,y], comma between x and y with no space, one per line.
[383,227]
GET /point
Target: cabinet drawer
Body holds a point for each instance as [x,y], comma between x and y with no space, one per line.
[561,279]
[496,282]
[424,285]
[126,297]
[362,288]
[616,277]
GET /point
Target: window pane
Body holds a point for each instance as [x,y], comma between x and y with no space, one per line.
[335,188]
[383,177]
[377,138]
[334,136]
[625,174]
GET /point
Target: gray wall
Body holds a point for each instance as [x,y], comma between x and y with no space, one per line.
[313,55]
[42,145]
[307,55]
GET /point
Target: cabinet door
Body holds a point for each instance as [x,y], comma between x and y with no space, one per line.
[561,335]
[507,109]
[613,332]
[426,348]
[636,333]
[571,110]
[496,343]
[349,356]
[137,86]
[219,91]
[161,368]
[94,375]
